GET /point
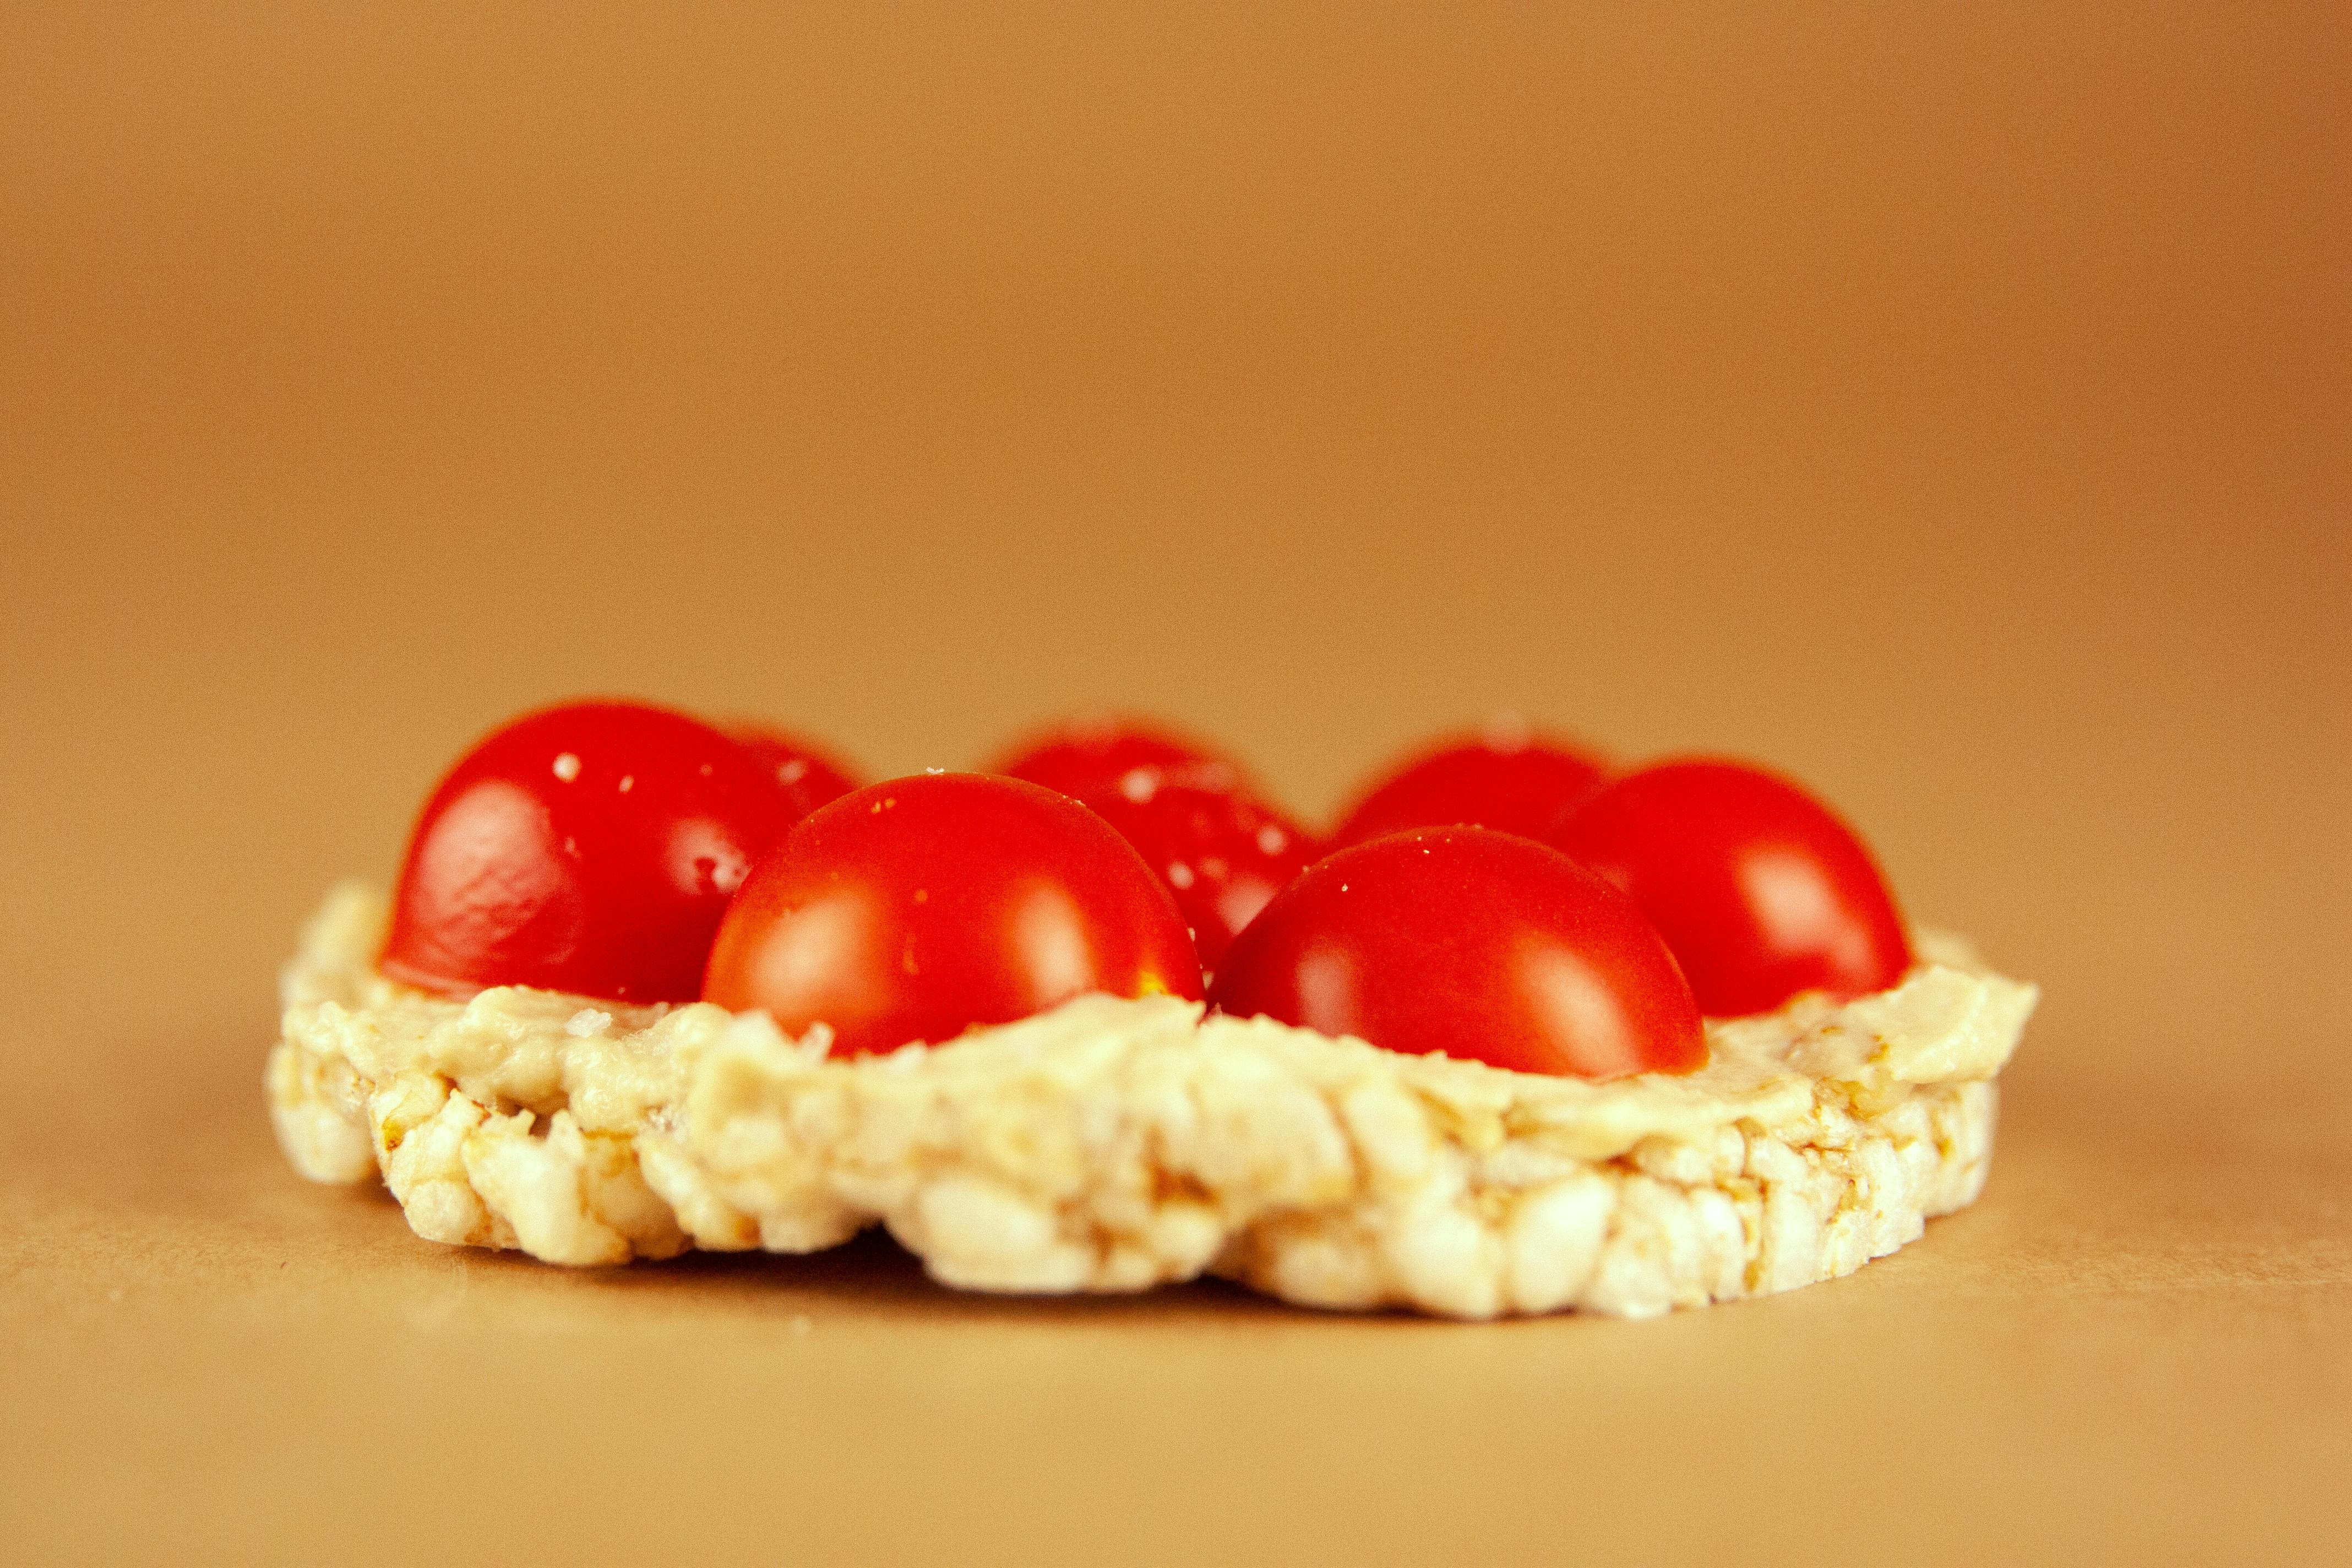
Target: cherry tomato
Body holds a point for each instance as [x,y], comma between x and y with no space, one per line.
[914,909]
[1222,853]
[590,848]
[1760,890]
[1505,777]
[1482,945]
[1087,755]
[808,775]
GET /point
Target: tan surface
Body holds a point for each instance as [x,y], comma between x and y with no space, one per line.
[1950,408]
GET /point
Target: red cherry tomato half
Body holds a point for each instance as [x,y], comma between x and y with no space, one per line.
[1760,890]
[914,909]
[1084,756]
[807,774]
[1505,777]
[1222,853]
[590,848]
[1482,945]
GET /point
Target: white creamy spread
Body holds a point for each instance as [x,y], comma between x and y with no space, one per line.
[1113,1144]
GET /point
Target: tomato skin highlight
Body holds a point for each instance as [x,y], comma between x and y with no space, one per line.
[917,907]
[589,847]
[1222,853]
[1091,753]
[1760,890]
[1503,777]
[807,774]
[1484,945]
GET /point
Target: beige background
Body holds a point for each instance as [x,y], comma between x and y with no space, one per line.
[1947,404]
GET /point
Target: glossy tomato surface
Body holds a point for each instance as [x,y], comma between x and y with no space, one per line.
[590,847]
[1086,755]
[807,774]
[1760,890]
[1484,945]
[1222,852]
[914,909]
[1505,777]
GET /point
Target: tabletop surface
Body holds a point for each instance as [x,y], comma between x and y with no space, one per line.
[1947,408]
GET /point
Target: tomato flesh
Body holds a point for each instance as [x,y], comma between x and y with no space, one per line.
[1505,777]
[1222,853]
[589,847]
[1089,755]
[808,775]
[915,909]
[1484,945]
[1761,890]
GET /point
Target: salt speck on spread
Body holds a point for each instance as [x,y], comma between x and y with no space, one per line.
[586,1022]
